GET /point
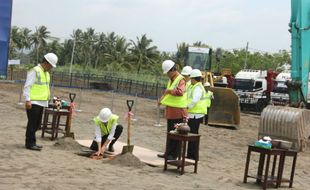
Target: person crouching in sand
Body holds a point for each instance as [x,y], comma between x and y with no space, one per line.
[107,131]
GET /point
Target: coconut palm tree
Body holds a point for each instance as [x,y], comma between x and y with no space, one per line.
[181,54]
[143,52]
[26,38]
[39,39]
[15,41]
[88,38]
[118,55]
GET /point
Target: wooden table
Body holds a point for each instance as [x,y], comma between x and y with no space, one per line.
[266,178]
[180,162]
[56,114]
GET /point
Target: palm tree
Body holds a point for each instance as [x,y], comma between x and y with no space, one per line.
[26,38]
[89,38]
[181,53]
[15,41]
[39,39]
[118,54]
[143,52]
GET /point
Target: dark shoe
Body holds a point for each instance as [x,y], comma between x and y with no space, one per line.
[161,155]
[39,146]
[111,148]
[33,148]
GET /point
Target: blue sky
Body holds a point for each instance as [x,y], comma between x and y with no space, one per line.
[220,23]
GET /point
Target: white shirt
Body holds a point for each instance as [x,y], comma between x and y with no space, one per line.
[197,94]
[31,79]
[98,135]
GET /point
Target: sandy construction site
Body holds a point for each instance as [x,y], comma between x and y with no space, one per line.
[222,151]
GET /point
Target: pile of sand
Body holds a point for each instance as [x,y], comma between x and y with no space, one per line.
[68,143]
[127,159]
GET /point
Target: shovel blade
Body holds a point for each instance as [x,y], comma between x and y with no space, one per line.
[128,148]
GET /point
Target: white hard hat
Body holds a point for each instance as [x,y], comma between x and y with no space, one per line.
[105,114]
[195,73]
[186,70]
[207,84]
[167,65]
[51,58]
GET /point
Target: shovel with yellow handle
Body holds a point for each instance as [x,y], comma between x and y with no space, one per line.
[128,148]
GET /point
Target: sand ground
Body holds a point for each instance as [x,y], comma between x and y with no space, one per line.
[222,151]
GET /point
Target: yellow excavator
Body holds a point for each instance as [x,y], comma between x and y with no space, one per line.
[225,109]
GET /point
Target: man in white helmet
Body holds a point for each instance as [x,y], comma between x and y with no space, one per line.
[196,109]
[37,94]
[186,72]
[107,131]
[175,100]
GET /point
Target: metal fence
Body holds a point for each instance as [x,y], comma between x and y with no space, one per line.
[101,82]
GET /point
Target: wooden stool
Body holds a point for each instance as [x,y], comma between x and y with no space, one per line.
[183,139]
[266,179]
[55,121]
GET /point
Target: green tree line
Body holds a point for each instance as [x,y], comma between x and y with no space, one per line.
[98,52]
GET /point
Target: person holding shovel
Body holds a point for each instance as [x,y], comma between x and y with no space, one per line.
[107,131]
[175,100]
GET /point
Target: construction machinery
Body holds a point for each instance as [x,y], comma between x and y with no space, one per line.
[253,88]
[279,94]
[225,109]
[293,123]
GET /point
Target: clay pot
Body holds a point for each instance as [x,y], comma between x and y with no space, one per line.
[183,128]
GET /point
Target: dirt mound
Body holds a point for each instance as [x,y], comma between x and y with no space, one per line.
[68,143]
[127,159]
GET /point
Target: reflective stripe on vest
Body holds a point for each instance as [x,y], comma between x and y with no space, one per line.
[40,90]
[201,106]
[175,101]
[208,96]
[105,129]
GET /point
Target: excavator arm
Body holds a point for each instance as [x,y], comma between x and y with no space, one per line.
[300,36]
[289,123]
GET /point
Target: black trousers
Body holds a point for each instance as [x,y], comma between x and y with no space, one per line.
[34,116]
[117,134]
[174,146]
[194,124]
[206,117]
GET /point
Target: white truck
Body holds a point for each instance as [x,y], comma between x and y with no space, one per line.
[251,87]
[279,94]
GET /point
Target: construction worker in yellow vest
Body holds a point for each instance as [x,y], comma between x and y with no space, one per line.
[37,94]
[175,100]
[196,109]
[209,97]
[107,131]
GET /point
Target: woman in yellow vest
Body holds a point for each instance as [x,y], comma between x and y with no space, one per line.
[175,100]
[196,109]
[37,94]
[107,131]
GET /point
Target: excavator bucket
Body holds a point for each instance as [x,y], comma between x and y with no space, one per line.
[286,123]
[225,109]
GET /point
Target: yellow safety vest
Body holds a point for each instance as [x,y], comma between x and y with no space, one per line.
[188,87]
[175,101]
[105,129]
[201,106]
[40,90]
[208,96]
